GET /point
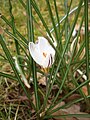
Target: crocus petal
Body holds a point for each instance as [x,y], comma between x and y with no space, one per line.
[45,46]
[35,53]
[74,33]
[73,44]
[48,61]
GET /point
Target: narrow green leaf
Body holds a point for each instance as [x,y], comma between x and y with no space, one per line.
[31,38]
[87,44]
[8,76]
[52,19]
[68,116]
[13,27]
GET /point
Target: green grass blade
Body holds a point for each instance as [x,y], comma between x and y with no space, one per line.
[31,38]
[8,76]
[69,116]
[87,44]
[13,27]
[23,4]
[57,15]
[52,19]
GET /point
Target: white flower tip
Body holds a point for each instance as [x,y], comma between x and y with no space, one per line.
[40,37]
[81,73]
[74,33]
[27,84]
[55,43]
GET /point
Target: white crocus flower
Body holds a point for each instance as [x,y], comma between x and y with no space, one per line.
[42,52]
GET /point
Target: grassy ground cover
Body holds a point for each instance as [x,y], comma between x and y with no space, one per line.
[61,91]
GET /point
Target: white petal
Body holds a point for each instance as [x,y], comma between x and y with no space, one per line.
[48,61]
[43,43]
[74,33]
[35,53]
[45,46]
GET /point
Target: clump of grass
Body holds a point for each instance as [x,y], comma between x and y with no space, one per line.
[68,74]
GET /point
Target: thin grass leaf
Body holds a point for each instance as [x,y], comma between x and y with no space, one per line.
[23,4]
[57,15]
[68,116]
[87,44]
[59,41]
[67,21]
[52,19]
[76,57]
[13,27]
[78,65]
[80,90]
[8,76]
[31,38]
